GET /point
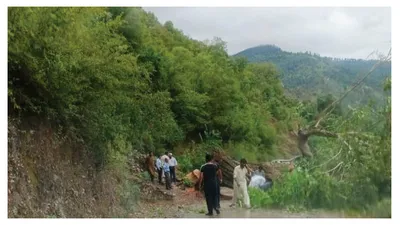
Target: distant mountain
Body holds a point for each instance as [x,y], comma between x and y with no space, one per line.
[306,75]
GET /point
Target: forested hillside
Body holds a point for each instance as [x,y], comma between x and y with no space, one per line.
[109,83]
[307,75]
[118,79]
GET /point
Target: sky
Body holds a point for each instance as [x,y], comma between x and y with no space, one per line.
[334,32]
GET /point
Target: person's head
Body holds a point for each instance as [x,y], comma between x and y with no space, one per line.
[166,160]
[170,155]
[260,168]
[243,162]
[151,154]
[209,157]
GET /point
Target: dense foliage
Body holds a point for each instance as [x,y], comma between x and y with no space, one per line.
[120,80]
[307,75]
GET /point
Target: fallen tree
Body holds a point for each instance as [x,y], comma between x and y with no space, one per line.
[274,168]
[303,134]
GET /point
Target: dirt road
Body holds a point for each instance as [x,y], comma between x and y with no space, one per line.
[190,204]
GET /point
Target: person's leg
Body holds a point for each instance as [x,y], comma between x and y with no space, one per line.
[209,201]
[215,201]
[151,175]
[235,194]
[173,175]
[166,174]
[218,195]
[159,171]
[169,180]
[240,193]
[246,198]
[171,169]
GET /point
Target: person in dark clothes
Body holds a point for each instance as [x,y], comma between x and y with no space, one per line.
[208,177]
[150,166]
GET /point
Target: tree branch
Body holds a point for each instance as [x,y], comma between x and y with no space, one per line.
[334,168]
[325,112]
[328,160]
[285,160]
[319,132]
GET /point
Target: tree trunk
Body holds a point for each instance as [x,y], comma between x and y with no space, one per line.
[227,165]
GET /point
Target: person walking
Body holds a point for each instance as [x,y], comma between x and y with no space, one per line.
[240,184]
[172,165]
[167,175]
[208,177]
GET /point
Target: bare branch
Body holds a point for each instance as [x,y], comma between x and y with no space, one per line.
[285,160]
[328,160]
[325,112]
[365,134]
[334,168]
[319,132]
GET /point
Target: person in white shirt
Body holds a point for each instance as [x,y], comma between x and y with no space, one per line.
[172,164]
[240,184]
[159,169]
[163,157]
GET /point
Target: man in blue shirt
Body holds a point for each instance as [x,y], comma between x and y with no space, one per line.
[166,174]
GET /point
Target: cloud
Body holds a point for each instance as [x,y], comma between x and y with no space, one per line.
[337,32]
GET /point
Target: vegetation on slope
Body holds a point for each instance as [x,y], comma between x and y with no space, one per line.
[116,80]
[120,80]
[307,75]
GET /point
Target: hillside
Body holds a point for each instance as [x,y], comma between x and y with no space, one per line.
[117,82]
[307,75]
[93,90]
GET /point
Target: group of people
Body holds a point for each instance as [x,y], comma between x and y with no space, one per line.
[211,179]
[165,165]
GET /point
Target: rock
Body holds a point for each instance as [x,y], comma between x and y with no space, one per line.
[193,177]
[226,193]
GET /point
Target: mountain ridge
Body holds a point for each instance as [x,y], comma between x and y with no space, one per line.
[306,75]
